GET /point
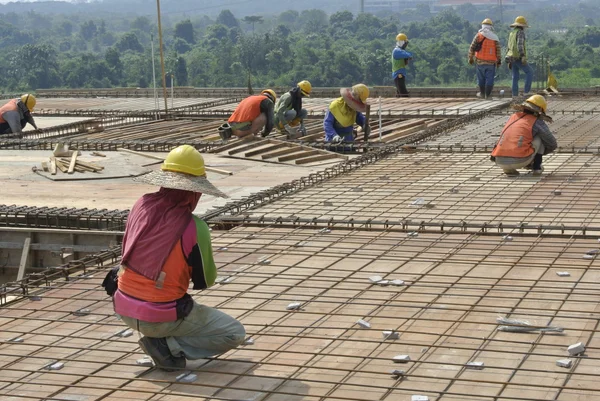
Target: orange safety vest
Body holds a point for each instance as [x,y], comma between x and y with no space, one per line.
[177,275]
[516,137]
[10,106]
[488,49]
[248,109]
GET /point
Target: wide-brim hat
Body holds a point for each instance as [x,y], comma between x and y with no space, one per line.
[351,101]
[516,24]
[184,182]
[533,108]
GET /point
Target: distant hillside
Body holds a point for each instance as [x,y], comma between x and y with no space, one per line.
[183,7]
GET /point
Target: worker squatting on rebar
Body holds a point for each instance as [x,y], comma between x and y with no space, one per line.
[344,112]
[253,115]
[485,52]
[525,138]
[16,113]
[400,59]
[164,247]
[289,114]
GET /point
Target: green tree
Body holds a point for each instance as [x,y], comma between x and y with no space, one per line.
[227,18]
[185,30]
[253,19]
[129,41]
[35,66]
[88,30]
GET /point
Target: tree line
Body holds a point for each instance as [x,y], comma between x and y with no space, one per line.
[58,51]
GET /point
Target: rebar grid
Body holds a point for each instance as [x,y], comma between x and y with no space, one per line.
[456,286]
[450,188]
[575,126]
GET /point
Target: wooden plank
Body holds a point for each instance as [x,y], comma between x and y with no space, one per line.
[243,147]
[53,165]
[287,151]
[265,149]
[299,155]
[61,166]
[318,158]
[72,165]
[210,169]
[24,256]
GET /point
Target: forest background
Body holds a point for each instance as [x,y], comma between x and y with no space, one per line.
[101,47]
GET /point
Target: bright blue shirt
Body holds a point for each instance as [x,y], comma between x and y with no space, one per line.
[399,54]
[333,127]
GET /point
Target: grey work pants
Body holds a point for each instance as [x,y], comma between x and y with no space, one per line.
[513,163]
[203,333]
[291,115]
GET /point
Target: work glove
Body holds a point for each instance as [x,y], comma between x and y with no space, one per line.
[492,159]
[524,60]
[498,64]
[336,139]
[471,60]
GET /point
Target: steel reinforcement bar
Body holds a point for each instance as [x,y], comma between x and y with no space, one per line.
[63,218]
[16,290]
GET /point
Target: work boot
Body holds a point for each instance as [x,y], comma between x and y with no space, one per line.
[158,350]
[511,172]
[225,132]
[537,171]
[481,93]
[488,92]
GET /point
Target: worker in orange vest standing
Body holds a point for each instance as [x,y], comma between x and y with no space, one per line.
[15,115]
[525,138]
[485,50]
[253,114]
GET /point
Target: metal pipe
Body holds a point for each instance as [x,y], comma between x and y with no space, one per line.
[162,57]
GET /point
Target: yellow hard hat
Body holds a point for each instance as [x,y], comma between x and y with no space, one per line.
[29,101]
[305,88]
[487,21]
[185,159]
[538,101]
[401,37]
[271,93]
[520,21]
[360,91]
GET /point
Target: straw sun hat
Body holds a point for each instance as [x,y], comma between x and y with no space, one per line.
[182,169]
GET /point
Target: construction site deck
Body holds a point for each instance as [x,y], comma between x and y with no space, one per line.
[421,271]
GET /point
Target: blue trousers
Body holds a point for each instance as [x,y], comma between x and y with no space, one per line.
[516,67]
[485,75]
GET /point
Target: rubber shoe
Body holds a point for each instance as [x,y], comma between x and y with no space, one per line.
[537,172]
[158,350]
[512,173]
[225,132]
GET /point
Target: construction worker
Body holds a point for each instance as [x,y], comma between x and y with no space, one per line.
[516,57]
[400,59]
[344,112]
[253,114]
[525,138]
[485,50]
[15,115]
[289,112]
[164,247]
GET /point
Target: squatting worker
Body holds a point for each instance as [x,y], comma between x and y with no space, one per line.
[525,138]
[344,112]
[254,114]
[289,114]
[164,247]
[15,115]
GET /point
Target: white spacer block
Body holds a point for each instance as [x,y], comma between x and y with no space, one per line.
[576,348]
[564,363]
[401,359]
[363,323]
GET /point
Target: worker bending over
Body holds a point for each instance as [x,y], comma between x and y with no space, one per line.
[516,57]
[15,115]
[289,112]
[485,50]
[253,115]
[525,138]
[164,247]
[400,59]
[344,112]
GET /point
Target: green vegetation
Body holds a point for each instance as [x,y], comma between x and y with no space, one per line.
[76,51]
